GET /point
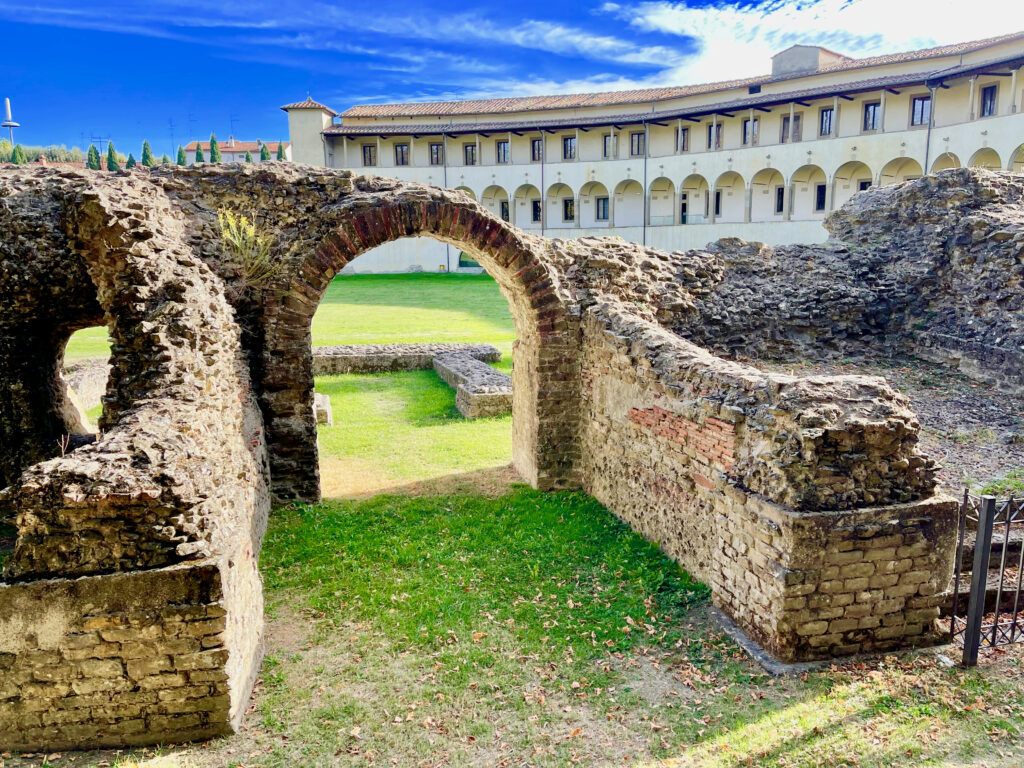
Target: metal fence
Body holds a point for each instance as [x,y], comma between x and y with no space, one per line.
[990,535]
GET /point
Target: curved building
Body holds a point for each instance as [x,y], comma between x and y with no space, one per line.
[764,158]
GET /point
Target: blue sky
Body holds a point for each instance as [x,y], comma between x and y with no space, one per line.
[172,70]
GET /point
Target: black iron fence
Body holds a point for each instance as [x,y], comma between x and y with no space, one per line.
[988,607]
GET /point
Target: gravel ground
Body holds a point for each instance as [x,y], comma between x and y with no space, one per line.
[974,431]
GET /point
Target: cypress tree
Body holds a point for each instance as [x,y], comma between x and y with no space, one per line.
[93,158]
[214,149]
[199,152]
[147,155]
[264,153]
[182,160]
[112,164]
[131,161]
[165,160]
[18,155]
[280,150]
[248,156]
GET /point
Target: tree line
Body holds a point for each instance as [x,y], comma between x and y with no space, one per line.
[114,161]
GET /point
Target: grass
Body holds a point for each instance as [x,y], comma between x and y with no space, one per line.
[1009,485]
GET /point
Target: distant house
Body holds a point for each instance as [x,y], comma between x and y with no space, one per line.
[233,151]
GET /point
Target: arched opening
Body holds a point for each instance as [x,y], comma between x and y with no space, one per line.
[513,260]
[495,200]
[1017,160]
[986,158]
[528,210]
[662,202]
[389,413]
[899,170]
[694,200]
[809,192]
[595,205]
[849,179]
[767,195]
[561,207]
[85,370]
[945,162]
[729,198]
[629,204]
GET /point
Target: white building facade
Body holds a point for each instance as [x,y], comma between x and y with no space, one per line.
[764,158]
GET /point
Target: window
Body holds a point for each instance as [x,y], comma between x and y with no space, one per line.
[715,136]
[795,133]
[601,209]
[819,197]
[684,205]
[750,132]
[637,145]
[401,154]
[872,115]
[920,110]
[780,199]
[864,184]
[718,202]
[437,154]
[568,147]
[608,147]
[535,210]
[826,116]
[988,101]
[501,151]
[504,210]
[568,209]
[536,152]
[683,139]
[369,154]
[469,154]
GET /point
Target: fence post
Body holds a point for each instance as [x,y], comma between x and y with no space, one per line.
[979,580]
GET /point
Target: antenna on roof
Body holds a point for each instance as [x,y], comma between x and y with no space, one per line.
[9,123]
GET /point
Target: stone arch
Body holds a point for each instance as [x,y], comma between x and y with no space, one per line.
[694,199]
[945,162]
[629,204]
[729,198]
[809,187]
[849,179]
[1016,163]
[898,170]
[379,211]
[662,205]
[986,158]
[556,209]
[765,197]
[525,213]
[590,193]
[495,199]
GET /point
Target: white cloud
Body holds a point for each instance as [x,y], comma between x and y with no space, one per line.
[735,40]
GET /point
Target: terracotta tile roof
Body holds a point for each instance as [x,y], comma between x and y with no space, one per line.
[309,104]
[647,95]
[762,100]
[238,146]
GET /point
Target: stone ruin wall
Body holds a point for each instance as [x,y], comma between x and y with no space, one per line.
[804,502]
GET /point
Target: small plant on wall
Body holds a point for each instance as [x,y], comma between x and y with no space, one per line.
[253,248]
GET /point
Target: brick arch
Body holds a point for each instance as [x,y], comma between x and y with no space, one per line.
[378,211]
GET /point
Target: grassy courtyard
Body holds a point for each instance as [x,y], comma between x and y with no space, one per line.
[436,613]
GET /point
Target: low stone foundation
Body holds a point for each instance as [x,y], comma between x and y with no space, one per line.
[387,358]
[480,390]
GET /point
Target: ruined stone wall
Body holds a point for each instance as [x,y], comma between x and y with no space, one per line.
[932,267]
[387,358]
[803,501]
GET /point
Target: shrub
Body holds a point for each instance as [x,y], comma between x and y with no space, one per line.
[242,238]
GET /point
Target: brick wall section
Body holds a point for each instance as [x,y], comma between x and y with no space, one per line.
[668,433]
[115,660]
